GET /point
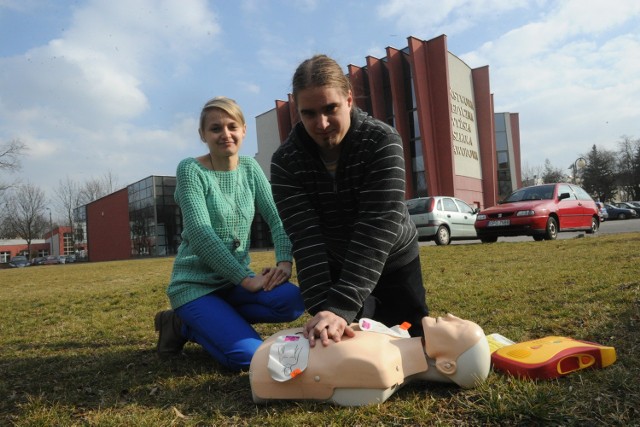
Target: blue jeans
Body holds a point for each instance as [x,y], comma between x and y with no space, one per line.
[221,321]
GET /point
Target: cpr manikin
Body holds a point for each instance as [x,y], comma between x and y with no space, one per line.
[372,365]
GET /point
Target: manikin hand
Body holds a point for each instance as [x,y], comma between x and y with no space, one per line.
[327,326]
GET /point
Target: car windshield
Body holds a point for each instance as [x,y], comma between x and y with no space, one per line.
[539,192]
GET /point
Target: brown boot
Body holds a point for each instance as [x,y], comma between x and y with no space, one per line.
[170,339]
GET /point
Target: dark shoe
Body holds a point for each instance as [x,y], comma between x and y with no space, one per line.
[170,339]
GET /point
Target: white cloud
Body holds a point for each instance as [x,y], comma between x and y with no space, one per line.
[443,17]
[118,85]
[81,94]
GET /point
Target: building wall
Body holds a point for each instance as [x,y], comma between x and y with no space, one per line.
[56,240]
[13,247]
[108,235]
[507,153]
[140,220]
[52,244]
[269,137]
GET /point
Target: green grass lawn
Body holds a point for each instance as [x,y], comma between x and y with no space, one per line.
[77,345]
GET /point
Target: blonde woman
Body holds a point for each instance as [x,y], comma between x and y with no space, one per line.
[214,295]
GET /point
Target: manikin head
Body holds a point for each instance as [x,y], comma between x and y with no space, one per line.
[458,349]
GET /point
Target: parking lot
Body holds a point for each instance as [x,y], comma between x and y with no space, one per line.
[607,227]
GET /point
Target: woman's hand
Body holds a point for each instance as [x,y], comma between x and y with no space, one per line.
[327,326]
[253,283]
[269,278]
[276,275]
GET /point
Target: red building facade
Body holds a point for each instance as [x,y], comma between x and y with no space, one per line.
[56,242]
[108,235]
[443,109]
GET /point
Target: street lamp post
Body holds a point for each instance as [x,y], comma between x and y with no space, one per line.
[580,163]
[50,233]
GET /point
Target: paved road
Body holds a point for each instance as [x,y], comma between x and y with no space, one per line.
[607,227]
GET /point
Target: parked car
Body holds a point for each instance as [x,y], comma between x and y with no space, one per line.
[71,258]
[39,260]
[443,219]
[619,213]
[604,214]
[540,211]
[51,259]
[628,205]
[19,261]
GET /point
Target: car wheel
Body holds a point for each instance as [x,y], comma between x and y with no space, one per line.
[489,239]
[538,237]
[551,233]
[622,216]
[442,236]
[594,225]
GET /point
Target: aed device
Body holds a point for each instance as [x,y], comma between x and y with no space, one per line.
[551,357]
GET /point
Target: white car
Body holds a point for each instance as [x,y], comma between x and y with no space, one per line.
[443,219]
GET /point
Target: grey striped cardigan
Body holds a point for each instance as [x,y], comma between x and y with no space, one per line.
[348,230]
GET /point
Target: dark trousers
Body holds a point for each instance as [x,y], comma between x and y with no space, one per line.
[398,297]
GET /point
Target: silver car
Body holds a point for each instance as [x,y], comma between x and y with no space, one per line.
[443,219]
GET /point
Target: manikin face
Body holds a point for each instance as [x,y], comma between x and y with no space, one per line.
[448,337]
[222,134]
[447,328]
[325,113]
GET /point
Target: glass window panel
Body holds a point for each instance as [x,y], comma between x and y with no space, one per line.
[450,205]
[415,127]
[501,141]
[464,208]
[503,160]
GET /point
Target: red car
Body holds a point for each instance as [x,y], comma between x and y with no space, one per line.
[540,211]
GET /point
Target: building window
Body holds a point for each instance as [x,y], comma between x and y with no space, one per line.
[503,160]
[415,142]
[68,244]
[5,257]
[154,217]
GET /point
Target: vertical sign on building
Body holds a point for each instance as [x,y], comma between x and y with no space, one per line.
[463,120]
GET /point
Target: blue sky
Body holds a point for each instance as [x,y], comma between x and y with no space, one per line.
[116,86]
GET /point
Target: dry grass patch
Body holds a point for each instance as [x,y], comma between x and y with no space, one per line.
[77,343]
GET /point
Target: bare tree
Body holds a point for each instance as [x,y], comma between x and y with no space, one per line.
[636,173]
[531,174]
[99,187]
[68,197]
[25,217]
[10,153]
[626,167]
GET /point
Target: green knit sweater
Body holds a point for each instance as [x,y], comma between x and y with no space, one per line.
[217,209]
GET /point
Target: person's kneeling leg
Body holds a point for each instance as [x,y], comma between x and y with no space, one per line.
[281,304]
[214,324]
